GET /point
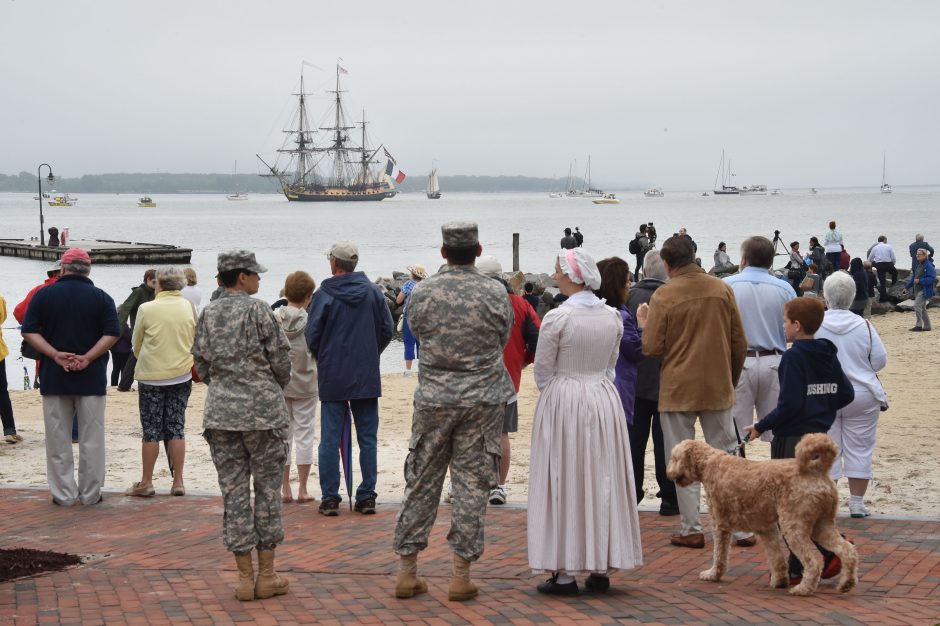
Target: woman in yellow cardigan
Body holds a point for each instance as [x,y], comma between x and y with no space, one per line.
[163,342]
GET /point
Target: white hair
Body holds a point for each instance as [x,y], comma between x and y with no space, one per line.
[171,278]
[653,266]
[839,290]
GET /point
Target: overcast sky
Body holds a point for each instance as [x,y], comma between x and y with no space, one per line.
[799,93]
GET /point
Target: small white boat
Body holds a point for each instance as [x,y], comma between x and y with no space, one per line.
[238,195]
[654,192]
[776,192]
[607,198]
[145,202]
[555,194]
[813,191]
[885,187]
[754,190]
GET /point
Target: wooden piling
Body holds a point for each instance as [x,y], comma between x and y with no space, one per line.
[515,252]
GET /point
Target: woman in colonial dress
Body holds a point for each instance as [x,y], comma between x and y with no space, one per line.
[582,516]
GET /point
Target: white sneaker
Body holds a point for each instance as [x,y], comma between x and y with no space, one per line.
[407,374]
[858,510]
[498,495]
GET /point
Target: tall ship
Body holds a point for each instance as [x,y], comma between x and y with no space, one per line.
[329,163]
[434,187]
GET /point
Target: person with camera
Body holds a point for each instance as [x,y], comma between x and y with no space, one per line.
[642,242]
[796,267]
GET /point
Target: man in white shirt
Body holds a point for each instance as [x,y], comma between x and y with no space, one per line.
[883,258]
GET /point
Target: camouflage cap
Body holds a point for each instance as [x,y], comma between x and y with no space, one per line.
[239,260]
[460,234]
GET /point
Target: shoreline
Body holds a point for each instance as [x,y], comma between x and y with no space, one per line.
[907,470]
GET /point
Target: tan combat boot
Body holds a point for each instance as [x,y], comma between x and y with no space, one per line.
[460,586]
[269,583]
[246,578]
[408,583]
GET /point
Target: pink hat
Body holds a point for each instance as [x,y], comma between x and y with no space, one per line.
[75,255]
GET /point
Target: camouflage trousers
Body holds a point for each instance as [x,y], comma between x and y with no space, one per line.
[467,439]
[240,456]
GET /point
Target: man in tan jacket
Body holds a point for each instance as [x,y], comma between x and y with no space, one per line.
[694,327]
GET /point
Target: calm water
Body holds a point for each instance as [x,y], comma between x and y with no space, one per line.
[397,232]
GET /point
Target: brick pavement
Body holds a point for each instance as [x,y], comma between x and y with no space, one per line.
[161,561]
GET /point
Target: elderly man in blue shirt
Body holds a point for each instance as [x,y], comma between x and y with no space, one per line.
[760,297]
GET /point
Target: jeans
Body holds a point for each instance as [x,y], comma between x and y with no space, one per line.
[127,374]
[920,310]
[885,268]
[6,407]
[646,419]
[365,414]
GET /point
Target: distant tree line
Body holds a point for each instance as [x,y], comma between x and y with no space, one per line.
[224,183]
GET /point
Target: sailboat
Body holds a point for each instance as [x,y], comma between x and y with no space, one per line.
[336,168]
[586,190]
[237,195]
[726,177]
[885,187]
[434,188]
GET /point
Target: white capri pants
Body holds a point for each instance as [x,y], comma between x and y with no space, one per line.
[303,420]
[854,433]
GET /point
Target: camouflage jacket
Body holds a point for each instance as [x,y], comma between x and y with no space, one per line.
[243,355]
[462,319]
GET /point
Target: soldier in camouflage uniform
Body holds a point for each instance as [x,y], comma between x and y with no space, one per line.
[463,320]
[242,354]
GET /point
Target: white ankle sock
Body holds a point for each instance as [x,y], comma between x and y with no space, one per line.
[857,499]
[564,579]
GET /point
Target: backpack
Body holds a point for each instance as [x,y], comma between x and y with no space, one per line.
[635,245]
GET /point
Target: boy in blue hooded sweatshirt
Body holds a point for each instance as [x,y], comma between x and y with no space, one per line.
[812,384]
[812,388]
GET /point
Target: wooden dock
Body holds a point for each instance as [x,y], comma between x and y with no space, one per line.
[101,251]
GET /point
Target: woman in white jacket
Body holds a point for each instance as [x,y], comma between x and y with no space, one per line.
[862,355]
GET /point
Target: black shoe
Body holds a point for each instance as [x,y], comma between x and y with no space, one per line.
[668,510]
[916,329]
[329,507]
[366,507]
[597,583]
[554,588]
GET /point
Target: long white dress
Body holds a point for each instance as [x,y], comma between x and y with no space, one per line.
[582,514]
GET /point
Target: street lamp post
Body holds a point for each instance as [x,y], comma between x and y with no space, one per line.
[51,179]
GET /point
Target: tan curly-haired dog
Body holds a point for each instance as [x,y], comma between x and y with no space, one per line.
[756,496]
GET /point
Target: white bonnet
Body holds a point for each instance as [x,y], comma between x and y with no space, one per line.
[580,267]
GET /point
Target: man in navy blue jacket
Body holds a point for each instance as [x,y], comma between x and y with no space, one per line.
[348,327]
[812,384]
[73,324]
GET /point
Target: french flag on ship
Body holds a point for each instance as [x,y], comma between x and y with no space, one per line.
[391,169]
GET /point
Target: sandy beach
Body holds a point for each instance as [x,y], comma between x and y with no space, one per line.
[907,468]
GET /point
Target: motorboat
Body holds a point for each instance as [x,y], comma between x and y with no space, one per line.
[754,190]
[813,191]
[145,202]
[654,192]
[62,200]
[776,192]
[607,198]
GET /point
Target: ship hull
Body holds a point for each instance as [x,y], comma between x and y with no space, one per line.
[337,194]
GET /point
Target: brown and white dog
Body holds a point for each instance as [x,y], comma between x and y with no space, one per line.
[756,496]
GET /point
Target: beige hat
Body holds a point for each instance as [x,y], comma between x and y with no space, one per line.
[345,251]
[418,270]
[487,264]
